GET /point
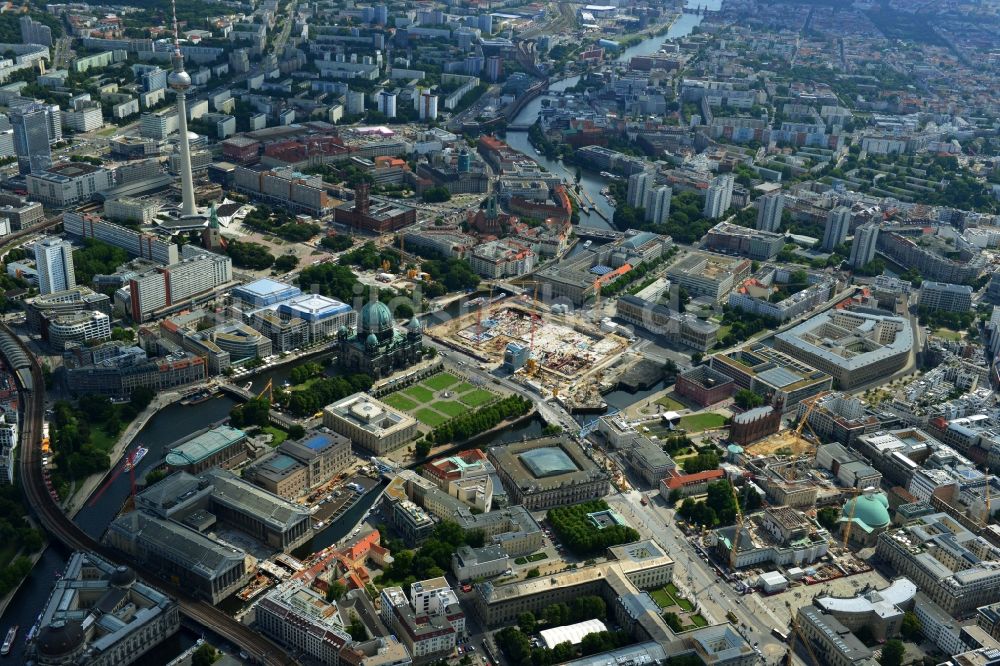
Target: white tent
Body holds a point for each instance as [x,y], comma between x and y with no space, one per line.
[573,633]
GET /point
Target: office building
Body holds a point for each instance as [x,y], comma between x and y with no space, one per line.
[32,136]
[170,287]
[779,377]
[102,615]
[501,258]
[370,423]
[854,347]
[115,370]
[838,645]
[838,223]
[429,623]
[733,239]
[301,619]
[719,196]
[955,568]
[80,327]
[943,296]
[20,213]
[864,245]
[638,185]
[550,471]
[709,275]
[479,563]
[54,263]
[769,208]
[68,183]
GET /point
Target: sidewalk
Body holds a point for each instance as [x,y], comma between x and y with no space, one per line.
[87,487]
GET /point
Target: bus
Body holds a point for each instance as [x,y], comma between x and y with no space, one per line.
[781,635]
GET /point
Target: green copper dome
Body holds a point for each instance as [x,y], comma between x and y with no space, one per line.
[375,318]
[872,509]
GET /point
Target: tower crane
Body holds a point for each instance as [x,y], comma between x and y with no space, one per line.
[269,390]
[797,633]
[858,493]
[734,547]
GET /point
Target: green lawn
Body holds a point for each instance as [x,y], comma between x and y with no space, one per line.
[440,381]
[419,393]
[450,408]
[278,435]
[684,604]
[662,599]
[670,404]
[477,397]
[699,422]
[398,401]
[948,334]
[101,439]
[697,620]
[537,557]
[429,417]
[463,387]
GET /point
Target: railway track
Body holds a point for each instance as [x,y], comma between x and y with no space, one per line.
[64,530]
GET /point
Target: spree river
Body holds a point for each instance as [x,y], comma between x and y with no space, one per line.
[177,421]
[591,181]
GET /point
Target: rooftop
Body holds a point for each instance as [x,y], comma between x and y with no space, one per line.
[204,445]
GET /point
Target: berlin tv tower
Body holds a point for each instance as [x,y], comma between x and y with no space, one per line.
[180,81]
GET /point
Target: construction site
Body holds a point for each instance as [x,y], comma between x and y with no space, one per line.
[559,351]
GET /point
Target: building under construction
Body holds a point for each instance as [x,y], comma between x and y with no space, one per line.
[562,351]
[779,536]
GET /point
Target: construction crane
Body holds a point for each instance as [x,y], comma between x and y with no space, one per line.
[269,390]
[131,461]
[857,493]
[805,418]
[735,545]
[797,633]
[479,312]
[534,318]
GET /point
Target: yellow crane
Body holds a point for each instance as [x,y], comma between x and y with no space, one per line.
[857,493]
[797,633]
[805,418]
[269,390]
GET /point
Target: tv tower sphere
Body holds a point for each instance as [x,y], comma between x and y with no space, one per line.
[179,80]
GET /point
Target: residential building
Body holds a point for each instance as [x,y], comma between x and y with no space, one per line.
[136,243]
[301,619]
[638,185]
[864,245]
[80,327]
[8,445]
[429,623]
[769,209]
[719,196]
[170,287]
[54,263]
[838,224]
[757,245]
[658,204]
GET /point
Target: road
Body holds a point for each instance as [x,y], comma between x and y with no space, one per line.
[61,528]
[698,579]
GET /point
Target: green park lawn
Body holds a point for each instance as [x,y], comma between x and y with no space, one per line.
[400,402]
[476,397]
[419,393]
[440,381]
[277,434]
[670,404]
[699,422]
[429,417]
[450,408]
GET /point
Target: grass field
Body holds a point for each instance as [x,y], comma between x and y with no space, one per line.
[426,399]
[476,397]
[662,599]
[948,334]
[429,417]
[419,393]
[450,407]
[400,402]
[697,620]
[670,404]
[699,422]
[440,381]
[277,434]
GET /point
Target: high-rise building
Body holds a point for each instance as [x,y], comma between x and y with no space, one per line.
[54,262]
[863,247]
[494,68]
[838,222]
[638,185]
[31,126]
[769,209]
[658,204]
[387,103]
[34,32]
[719,196]
[428,106]
[180,81]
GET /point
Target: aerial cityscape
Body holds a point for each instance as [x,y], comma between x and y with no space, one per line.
[490,333]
